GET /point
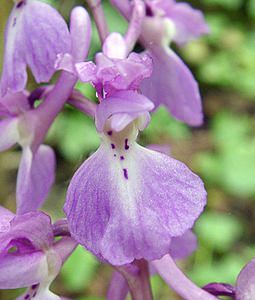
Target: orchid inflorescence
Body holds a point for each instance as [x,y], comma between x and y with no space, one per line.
[132,207]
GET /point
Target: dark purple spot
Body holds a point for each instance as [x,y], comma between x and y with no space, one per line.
[34,294]
[14,22]
[125,172]
[148,11]
[109,132]
[34,286]
[27,297]
[114,155]
[20,4]
[113,146]
[126,144]
[122,157]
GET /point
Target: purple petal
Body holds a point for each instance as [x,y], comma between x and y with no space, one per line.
[86,71]
[35,178]
[40,290]
[220,289]
[173,85]
[189,22]
[111,75]
[65,62]
[174,277]
[115,46]
[118,288]
[123,6]
[33,228]
[5,217]
[127,105]
[34,35]
[184,245]
[14,104]
[18,271]
[245,285]
[65,247]
[127,202]
[9,134]
[163,148]
[80,29]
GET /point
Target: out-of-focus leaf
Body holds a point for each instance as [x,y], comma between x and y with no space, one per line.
[162,124]
[224,270]
[229,4]
[79,270]
[230,130]
[218,231]
[86,89]
[238,171]
[75,135]
[251,8]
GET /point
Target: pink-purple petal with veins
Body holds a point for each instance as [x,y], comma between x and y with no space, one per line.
[34,35]
[35,177]
[173,86]
[9,134]
[124,197]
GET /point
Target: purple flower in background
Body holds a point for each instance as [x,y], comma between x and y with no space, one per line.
[34,35]
[171,83]
[37,167]
[245,285]
[29,255]
[124,197]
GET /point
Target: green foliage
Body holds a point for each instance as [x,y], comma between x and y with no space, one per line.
[229,4]
[222,270]
[218,231]
[79,270]
[76,139]
[231,165]
[163,124]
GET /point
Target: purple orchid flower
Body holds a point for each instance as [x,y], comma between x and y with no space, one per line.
[34,35]
[124,197]
[171,83]
[29,255]
[29,126]
[37,166]
[245,285]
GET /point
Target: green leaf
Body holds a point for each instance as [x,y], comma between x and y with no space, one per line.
[75,135]
[229,4]
[218,231]
[163,124]
[79,270]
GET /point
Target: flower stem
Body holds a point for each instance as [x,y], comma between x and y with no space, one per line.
[174,277]
[60,228]
[99,17]
[138,279]
[135,24]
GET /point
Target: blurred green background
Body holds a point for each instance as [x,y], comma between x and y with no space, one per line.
[222,151]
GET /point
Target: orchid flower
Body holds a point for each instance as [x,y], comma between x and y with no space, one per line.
[29,255]
[245,285]
[125,196]
[23,124]
[171,83]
